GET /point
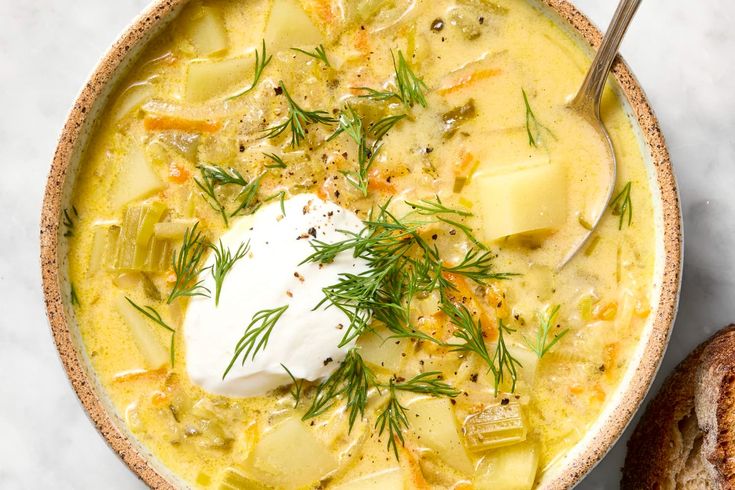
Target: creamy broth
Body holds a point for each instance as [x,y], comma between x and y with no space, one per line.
[479,139]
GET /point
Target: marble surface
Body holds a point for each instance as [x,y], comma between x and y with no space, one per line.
[681,52]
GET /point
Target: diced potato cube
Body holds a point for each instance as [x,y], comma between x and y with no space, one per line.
[434,424]
[289,26]
[526,200]
[275,457]
[510,468]
[135,179]
[207,31]
[388,479]
[209,78]
[154,353]
[381,351]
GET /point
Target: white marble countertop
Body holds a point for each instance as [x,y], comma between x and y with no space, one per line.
[680,50]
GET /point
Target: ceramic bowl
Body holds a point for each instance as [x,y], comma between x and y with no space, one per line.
[567,471]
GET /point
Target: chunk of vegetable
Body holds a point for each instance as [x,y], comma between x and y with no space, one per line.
[275,459]
[136,179]
[496,426]
[104,245]
[289,26]
[210,78]
[528,360]
[381,351]
[458,116]
[526,200]
[234,479]
[510,468]
[388,479]
[434,424]
[131,99]
[172,230]
[149,345]
[137,248]
[206,31]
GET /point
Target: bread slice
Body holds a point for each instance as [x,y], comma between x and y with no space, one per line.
[686,438]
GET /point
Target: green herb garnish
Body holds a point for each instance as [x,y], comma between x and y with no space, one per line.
[153,315]
[534,134]
[68,221]
[380,128]
[297,120]
[224,260]
[622,205]
[256,335]
[319,54]
[278,161]
[393,419]
[547,321]
[410,88]
[298,386]
[261,61]
[185,263]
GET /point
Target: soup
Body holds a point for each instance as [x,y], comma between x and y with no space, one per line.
[321,244]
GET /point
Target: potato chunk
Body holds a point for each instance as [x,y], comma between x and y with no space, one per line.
[381,351]
[289,456]
[528,199]
[434,424]
[136,179]
[510,468]
[210,78]
[289,26]
[206,32]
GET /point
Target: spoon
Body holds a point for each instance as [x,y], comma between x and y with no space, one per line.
[587,101]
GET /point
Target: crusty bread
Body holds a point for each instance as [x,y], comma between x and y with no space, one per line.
[684,439]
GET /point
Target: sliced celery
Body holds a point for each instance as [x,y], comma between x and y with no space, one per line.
[496,426]
[172,230]
[101,245]
[138,248]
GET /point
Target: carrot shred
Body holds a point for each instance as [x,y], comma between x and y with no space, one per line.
[139,374]
[465,81]
[378,183]
[177,173]
[411,466]
[162,123]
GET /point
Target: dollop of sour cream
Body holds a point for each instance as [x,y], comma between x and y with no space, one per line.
[270,276]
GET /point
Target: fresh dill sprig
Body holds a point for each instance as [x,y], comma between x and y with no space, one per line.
[350,122]
[622,205]
[150,313]
[504,360]
[298,386]
[429,383]
[248,197]
[436,207]
[278,161]
[393,419]
[297,120]
[261,61]
[185,263]
[256,335]
[381,127]
[409,87]
[319,54]
[281,198]
[68,221]
[531,121]
[73,296]
[213,176]
[352,379]
[400,265]
[547,321]
[224,260]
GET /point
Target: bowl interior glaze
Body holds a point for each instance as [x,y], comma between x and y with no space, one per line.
[566,471]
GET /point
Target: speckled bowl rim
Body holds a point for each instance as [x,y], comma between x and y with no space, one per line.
[73,134]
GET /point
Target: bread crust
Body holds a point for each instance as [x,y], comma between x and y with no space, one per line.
[714,403]
[672,442]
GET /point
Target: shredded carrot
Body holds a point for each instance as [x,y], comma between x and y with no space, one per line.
[463,485]
[160,399]
[576,389]
[162,123]
[177,173]
[362,41]
[600,394]
[606,311]
[489,325]
[378,183]
[412,469]
[466,163]
[465,81]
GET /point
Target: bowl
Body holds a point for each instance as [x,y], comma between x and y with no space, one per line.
[567,471]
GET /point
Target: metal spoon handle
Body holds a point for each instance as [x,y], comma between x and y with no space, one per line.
[587,99]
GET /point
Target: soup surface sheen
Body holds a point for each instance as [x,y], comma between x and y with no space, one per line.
[337,266]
